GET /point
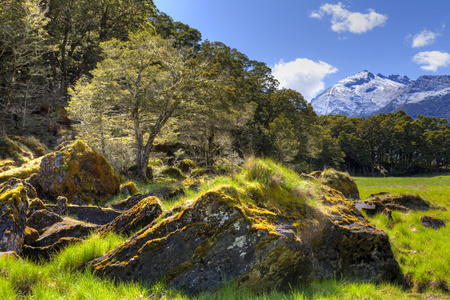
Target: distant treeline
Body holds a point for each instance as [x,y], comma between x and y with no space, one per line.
[393,143]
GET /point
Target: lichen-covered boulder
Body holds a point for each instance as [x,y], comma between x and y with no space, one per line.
[90,214]
[163,193]
[31,235]
[13,210]
[45,252]
[339,181]
[43,218]
[66,228]
[135,218]
[78,173]
[129,188]
[431,222]
[35,205]
[62,206]
[259,245]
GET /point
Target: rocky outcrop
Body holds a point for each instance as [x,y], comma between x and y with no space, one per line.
[163,193]
[91,214]
[35,205]
[64,229]
[13,210]
[135,218]
[261,245]
[76,172]
[43,218]
[45,252]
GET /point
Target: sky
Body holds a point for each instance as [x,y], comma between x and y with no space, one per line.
[311,45]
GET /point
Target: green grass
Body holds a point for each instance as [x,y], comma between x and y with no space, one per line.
[422,253]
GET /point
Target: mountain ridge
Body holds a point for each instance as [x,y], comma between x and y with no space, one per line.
[365,94]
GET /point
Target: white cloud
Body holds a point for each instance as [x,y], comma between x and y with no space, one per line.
[424,38]
[343,20]
[432,60]
[303,75]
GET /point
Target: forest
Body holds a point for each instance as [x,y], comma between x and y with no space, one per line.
[139,86]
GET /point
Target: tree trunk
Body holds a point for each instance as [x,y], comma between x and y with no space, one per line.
[139,143]
[149,145]
[209,149]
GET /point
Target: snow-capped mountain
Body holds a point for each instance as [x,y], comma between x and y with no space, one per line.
[366,94]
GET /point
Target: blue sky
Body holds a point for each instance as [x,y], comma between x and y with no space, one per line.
[310,45]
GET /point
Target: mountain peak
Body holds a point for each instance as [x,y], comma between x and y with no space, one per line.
[360,94]
[365,94]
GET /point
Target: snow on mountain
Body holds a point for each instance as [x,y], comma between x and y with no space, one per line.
[361,94]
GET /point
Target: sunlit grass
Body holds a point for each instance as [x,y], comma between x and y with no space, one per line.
[422,253]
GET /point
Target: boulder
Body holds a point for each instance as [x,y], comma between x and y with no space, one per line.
[43,218]
[31,235]
[129,188]
[66,228]
[377,203]
[35,205]
[136,217]
[257,244]
[339,181]
[78,173]
[90,214]
[13,210]
[45,252]
[163,193]
[431,222]
[62,206]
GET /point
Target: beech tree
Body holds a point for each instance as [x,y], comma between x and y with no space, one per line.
[220,105]
[143,82]
[23,41]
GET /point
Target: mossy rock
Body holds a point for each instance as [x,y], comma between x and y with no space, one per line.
[339,181]
[259,245]
[201,172]
[23,172]
[13,210]
[186,165]
[140,215]
[129,188]
[77,172]
[172,172]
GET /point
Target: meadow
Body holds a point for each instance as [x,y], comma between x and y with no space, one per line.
[423,255]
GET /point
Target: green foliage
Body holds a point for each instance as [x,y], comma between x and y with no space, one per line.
[136,89]
[391,143]
[23,42]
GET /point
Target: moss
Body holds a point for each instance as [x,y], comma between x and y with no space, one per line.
[186,165]
[172,172]
[22,172]
[15,196]
[131,187]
